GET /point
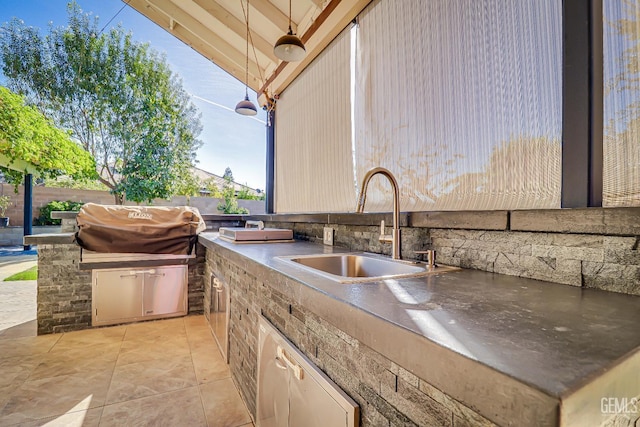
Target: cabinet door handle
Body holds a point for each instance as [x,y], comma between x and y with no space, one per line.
[124,276]
[297,370]
[157,275]
[279,363]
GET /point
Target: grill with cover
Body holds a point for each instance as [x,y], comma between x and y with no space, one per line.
[138,229]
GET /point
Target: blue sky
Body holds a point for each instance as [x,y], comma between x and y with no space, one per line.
[229,139]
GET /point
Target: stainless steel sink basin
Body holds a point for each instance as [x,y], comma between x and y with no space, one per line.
[361,267]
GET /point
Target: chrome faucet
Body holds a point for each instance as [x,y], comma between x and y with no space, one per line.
[394,237]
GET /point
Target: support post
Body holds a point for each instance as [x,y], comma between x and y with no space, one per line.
[271,139]
[582,104]
[28,207]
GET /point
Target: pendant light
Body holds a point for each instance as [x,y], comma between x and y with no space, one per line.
[289,47]
[246,107]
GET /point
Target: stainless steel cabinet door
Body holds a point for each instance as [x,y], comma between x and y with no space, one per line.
[164,290]
[117,295]
[310,404]
[292,391]
[273,383]
[219,314]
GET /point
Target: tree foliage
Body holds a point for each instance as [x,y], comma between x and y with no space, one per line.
[118,97]
[246,194]
[229,205]
[27,135]
[211,185]
[228,175]
[56,205]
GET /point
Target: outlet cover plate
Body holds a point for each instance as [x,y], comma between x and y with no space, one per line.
[327,238]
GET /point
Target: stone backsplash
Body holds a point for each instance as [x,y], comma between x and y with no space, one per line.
[593,248]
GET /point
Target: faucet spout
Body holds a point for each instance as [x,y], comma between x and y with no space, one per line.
[395,236]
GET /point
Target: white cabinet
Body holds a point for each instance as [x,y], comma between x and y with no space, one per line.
[127,295]
[294,392]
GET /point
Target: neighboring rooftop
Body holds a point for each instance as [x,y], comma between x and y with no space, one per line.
[204,176]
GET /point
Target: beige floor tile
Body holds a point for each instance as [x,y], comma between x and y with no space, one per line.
[193,332]
[223,406]
[203,341]
[154,331]
[18,368]
[135,380]
[14,371]
[90,337]
[176,408]
[55,396]
[77,361]
[84,418]
[195,321]
[143,351]
[27,346]
[147,372]
[210,366]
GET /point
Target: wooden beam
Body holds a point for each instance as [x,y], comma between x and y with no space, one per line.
[317,3]
[205,34]
[273,14]
[218,12]
[202,48]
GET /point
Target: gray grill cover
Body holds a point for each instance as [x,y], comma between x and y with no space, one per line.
[138,229]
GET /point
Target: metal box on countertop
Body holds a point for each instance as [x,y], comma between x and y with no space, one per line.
[242,234]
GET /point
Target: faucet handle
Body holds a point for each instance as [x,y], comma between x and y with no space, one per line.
[384,238]
[431,256]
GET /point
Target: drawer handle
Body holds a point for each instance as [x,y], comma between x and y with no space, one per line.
[124,276]
[156,274]
[297,370]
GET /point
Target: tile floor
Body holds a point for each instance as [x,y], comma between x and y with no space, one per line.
[160,373]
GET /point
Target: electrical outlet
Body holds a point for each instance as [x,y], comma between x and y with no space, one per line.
[327,238]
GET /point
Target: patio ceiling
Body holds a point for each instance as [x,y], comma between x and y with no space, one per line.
[217,30]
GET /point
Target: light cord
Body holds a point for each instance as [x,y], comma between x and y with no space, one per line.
[246,67]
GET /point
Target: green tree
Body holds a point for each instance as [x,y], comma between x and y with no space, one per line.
[211,186]
[230,201]
[77,183]
[228,175]
[30,143]
[246,194]
[118,97]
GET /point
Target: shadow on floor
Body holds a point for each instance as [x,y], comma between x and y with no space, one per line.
[26,329]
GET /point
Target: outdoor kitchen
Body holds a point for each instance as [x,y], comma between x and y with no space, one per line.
[432,348]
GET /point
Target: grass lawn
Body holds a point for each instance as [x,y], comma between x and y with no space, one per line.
[30,274]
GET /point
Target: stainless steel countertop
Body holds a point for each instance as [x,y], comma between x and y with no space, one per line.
[551,338]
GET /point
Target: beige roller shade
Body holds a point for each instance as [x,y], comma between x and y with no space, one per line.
[461,100]
[621,150]
[313,155]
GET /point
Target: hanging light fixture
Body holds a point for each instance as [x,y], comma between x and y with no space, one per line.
[246,107]
[289,47]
